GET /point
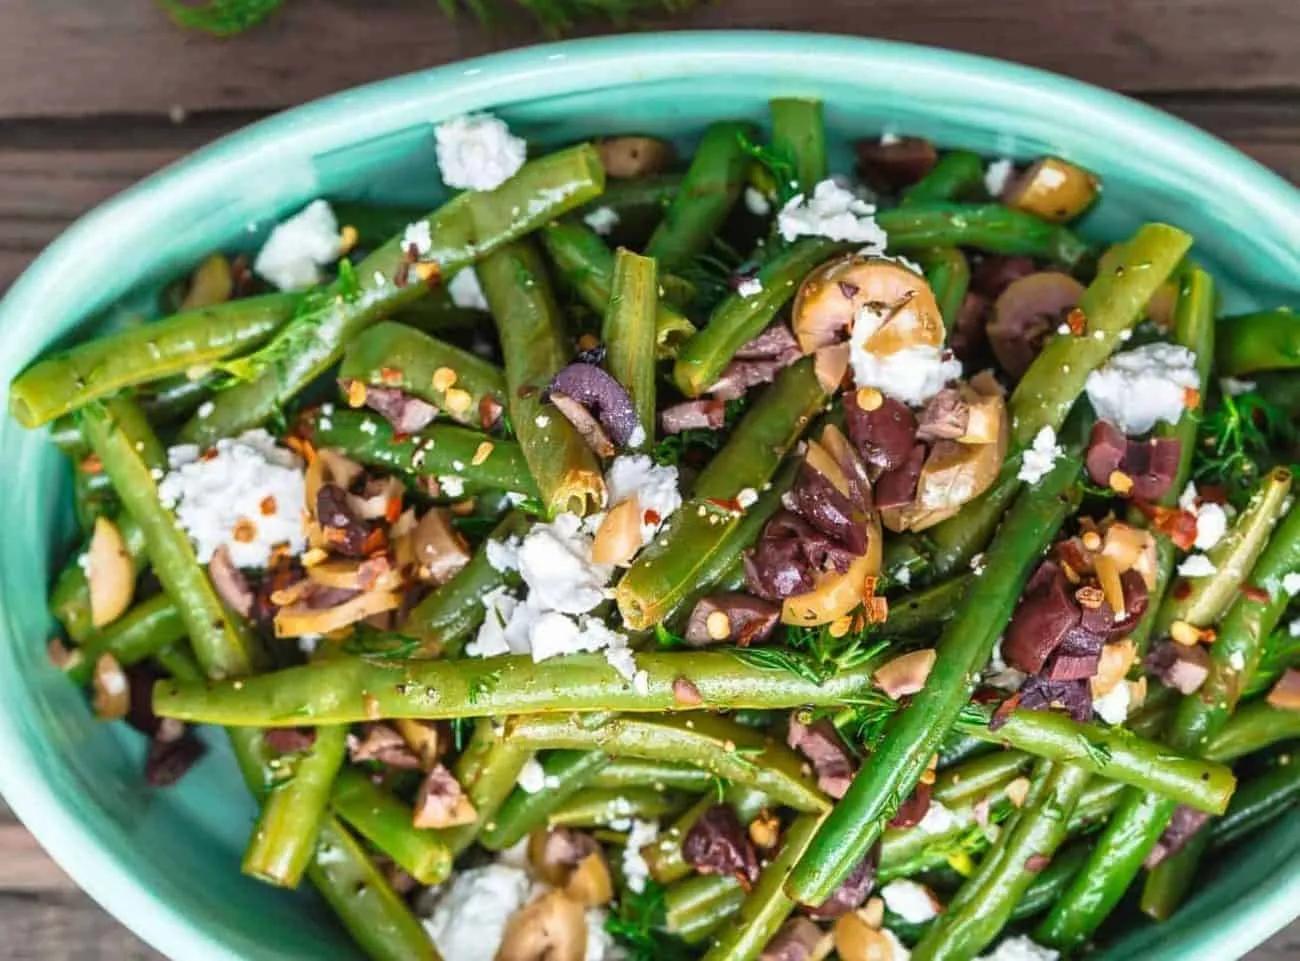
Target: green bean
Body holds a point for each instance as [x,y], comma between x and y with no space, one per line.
[975,778]
[465,229]
[664,854]
[964,648]
[120,436]
[1194,329]
[704,538]
[603,807]
[1254,728]
[451,454]
[665,776]
[90,501]
[708,191]
[535,347]
[567,773]
[347,689]
[696,906]
[1236,650]
[447,619]
[738,319]
[922,611]
[1201,601]
[948,271]
[992,228]
[1167,885]
[1111,752]
[488,770]
[294,808]
[1266,340]
[179,662]
[628,195]
[385,821]
[1281,650]
[177,398]
[984,903]
[717,744]
[767,905]
[957,174]
[587,265]
[1258,801]
[1112,304]
[65,434]
[798,132]
[138,634]
[394,355]
[92,369]
[371,911]
[375,223]
[629,334]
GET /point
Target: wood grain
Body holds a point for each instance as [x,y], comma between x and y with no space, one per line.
[125,56]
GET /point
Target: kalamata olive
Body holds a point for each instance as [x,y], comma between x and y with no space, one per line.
[1026,313]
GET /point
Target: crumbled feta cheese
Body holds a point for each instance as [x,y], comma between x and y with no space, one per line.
[369,427]
[205,409]
[555,563]
[1020,948]
[504,629]
[756,203]
[451,485]
[1040,457]
[532,776]
[635,870]
[903,576]
[1211,525]
[1113,706]
[909,900]
[912,375]
[1234,387]
[1139,387]
[502,556]
[542,421]
[419,236]
[603,220]
[478,152]
[747,497]
[1188,499]
[939,819]
[749,287]
[832,212]
[466,291]
[601,945]
[997,175]
[1197,565]
[1291,583]
[249,485]
[468,919]
[296,250]
[637,438]
[1294,628]
[654,486]
[977,564]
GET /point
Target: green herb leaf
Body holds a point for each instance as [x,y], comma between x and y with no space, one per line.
[221,18]
[370,642]
[637,924]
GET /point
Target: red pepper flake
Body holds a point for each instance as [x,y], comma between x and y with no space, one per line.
[489,411]
[245,530]
[651,517]
[1182,590]
[302,447]
[393,509]
[1175,523]
[375,541]
[91,464]
[1077,321]
[877,609]
[390,375]
[1212,494]
[267,506]
[730,504]
[1191,398]
[1256,594]
[210,454]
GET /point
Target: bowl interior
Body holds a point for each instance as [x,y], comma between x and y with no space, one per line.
[166,862]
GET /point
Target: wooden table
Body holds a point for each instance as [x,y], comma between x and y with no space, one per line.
[95,94]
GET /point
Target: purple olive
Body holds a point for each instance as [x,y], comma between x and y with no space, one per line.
[602,395]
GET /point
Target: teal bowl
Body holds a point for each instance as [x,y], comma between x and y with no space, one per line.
[166,863]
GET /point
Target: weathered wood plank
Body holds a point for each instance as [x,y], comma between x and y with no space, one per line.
[64,927]
[79,57]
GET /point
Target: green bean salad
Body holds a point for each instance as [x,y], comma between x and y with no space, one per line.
[661,556]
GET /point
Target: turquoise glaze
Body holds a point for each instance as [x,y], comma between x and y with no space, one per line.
[167,863]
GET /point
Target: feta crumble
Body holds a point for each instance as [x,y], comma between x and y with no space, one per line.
[1020,948]
[466,291]
[635,870]
[468,919]
[756,203]
[912,375]
[502,556]
[1113,706]
[1040,457]
[998,175]
[205,409]
[555,562]
[419,236]
[295,251]
[451,485]
[532,776]
[833,212]
[249,485]
[749,287]
[603,220]
[478,152]
[1140,387]
[654,486]
[1291,583]
[939,819]
[909,900]
[1197,565]
[1211,525]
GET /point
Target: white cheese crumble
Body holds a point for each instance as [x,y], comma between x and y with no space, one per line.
[466,291]
[997,175]
[478,152]
[468,920]
[912,375]
[1020,948]
[1113,706]
[635,870]
[1140,387]
[1294,628]
[749,287]
[451,485]
[977,564]
[299,247]
[909,900]
[502,556]
[249,485]
[1291,583]
[603,220]
[532,776]
[653,485]
[756,203]
[555,562]
[1197,565]
[833,212]
[1211,525]
[205,409]
[939,819]
[1041,456]
[419,236]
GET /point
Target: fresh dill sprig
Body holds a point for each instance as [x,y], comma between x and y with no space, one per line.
[670,450]
[221,18]
[370,642]
[482,685]
[637,925]
[779,166]
[814,654]
[1236,439]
